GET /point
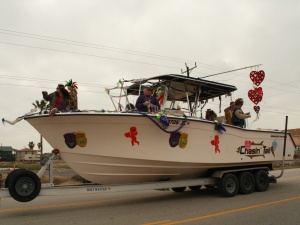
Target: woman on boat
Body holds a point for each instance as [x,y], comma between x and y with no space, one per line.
[238,116]
[60,101]
[228,113]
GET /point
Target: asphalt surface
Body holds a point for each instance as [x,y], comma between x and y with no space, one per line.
[279,205]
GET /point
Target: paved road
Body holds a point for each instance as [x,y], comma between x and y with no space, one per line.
[279,205]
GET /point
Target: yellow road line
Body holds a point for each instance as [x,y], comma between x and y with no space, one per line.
[158,222]
[231,211]
[71,204]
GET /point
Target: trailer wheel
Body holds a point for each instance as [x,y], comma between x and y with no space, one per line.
[246,183]
[195,188]
[9,176]
[261,180]
[229,185]
[24,185]
[178,189]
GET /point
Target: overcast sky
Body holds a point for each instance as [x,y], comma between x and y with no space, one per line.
[97,42]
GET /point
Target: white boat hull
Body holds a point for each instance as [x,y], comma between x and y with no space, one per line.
[109,157]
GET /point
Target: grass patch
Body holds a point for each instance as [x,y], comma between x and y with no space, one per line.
[57,164]
[21,165]
[58,180]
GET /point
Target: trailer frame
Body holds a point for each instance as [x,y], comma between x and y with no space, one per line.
[49,189]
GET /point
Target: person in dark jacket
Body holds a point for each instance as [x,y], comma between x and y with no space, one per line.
[238,116]
[59,100]
[147,102]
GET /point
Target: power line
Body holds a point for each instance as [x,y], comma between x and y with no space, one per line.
[90,45]
[84,54]
[95,85]
[265,109]
[40,87]
[47,80]
[117,58]
[85,44]
[109,48]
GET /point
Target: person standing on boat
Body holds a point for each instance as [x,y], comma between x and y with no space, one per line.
[72,86]
[238,116]
[147,102]
[228,113]
[60,101]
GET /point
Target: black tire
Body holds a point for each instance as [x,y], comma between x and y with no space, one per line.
[6,185]
[24,185]
[229,185]
[209,186]
[195,188]
[246,183]
[261,180]
[178,189]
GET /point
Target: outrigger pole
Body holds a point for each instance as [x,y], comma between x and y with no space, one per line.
[188,70]
[229,71]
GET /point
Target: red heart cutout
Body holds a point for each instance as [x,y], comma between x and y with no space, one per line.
[257,77]
[248,144]
[255,95]
[256,108]
[259,91]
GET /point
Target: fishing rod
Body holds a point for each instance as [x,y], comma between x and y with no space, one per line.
[229,71]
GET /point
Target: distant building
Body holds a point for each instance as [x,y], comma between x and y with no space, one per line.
[27,154]
[295,133]
[7,153]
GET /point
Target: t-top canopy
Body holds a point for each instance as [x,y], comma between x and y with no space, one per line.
[179,85]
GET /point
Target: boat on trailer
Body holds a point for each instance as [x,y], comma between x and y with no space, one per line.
[126,146]
[126,150]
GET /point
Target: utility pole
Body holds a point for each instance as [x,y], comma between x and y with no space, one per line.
[188,70]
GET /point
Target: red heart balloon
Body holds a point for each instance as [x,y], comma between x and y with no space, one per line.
[254,97]
[257,77]
[256,108]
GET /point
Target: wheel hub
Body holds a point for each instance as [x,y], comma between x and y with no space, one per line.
[25,186]
[230,185]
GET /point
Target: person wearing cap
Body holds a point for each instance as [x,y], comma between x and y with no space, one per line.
[238,116]
[228,113]
[147,102]
[59,100]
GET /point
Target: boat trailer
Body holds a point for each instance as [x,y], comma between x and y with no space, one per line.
[24,185]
